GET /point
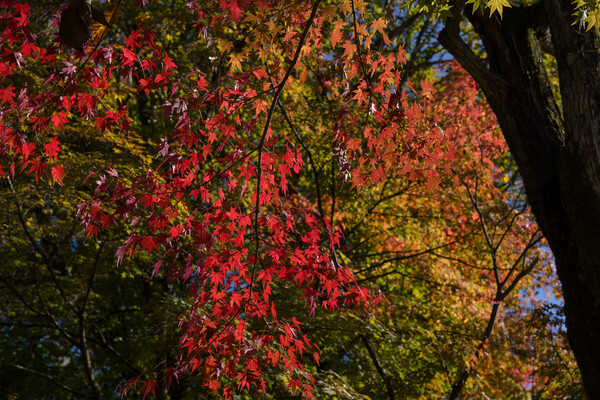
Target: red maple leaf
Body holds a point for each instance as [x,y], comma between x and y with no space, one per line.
[148,387]
[58,174]
[59,119]
[169,64]
[7,94]
[129,57]
[29,48]
[233,8]
[132,41]
[23,10]
[37,168]
[52,148]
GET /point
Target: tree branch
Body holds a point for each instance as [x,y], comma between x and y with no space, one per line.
[379,368]
[263,138]
[459,384]
[43,375]
[450,38]
[310,158]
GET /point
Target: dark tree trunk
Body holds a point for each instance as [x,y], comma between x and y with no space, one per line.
[558,154]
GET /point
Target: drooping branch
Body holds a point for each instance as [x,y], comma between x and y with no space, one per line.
[44,313]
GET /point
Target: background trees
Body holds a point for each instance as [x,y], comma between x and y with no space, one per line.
[253,163]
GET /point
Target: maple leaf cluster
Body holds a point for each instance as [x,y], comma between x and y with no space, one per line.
[219,208]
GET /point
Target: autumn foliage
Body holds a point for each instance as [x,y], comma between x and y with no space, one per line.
[224,209]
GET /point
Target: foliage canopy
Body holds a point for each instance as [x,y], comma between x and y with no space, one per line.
[304,197]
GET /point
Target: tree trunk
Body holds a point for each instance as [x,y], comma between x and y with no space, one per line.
[558,155]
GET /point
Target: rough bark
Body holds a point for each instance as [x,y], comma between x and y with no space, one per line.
[558,154]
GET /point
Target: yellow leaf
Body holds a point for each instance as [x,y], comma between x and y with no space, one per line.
[225,45]
[235,60]
[497,5]
[99,30]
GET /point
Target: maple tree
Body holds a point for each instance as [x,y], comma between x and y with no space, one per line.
[276,127]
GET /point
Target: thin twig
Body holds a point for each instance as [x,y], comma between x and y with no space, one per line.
[266,129]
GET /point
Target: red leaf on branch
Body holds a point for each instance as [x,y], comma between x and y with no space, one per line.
[52,148]
[60,119]
[37,168]
[129,57]
[148,387]
[169,64]
[7,95]
[58,174]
